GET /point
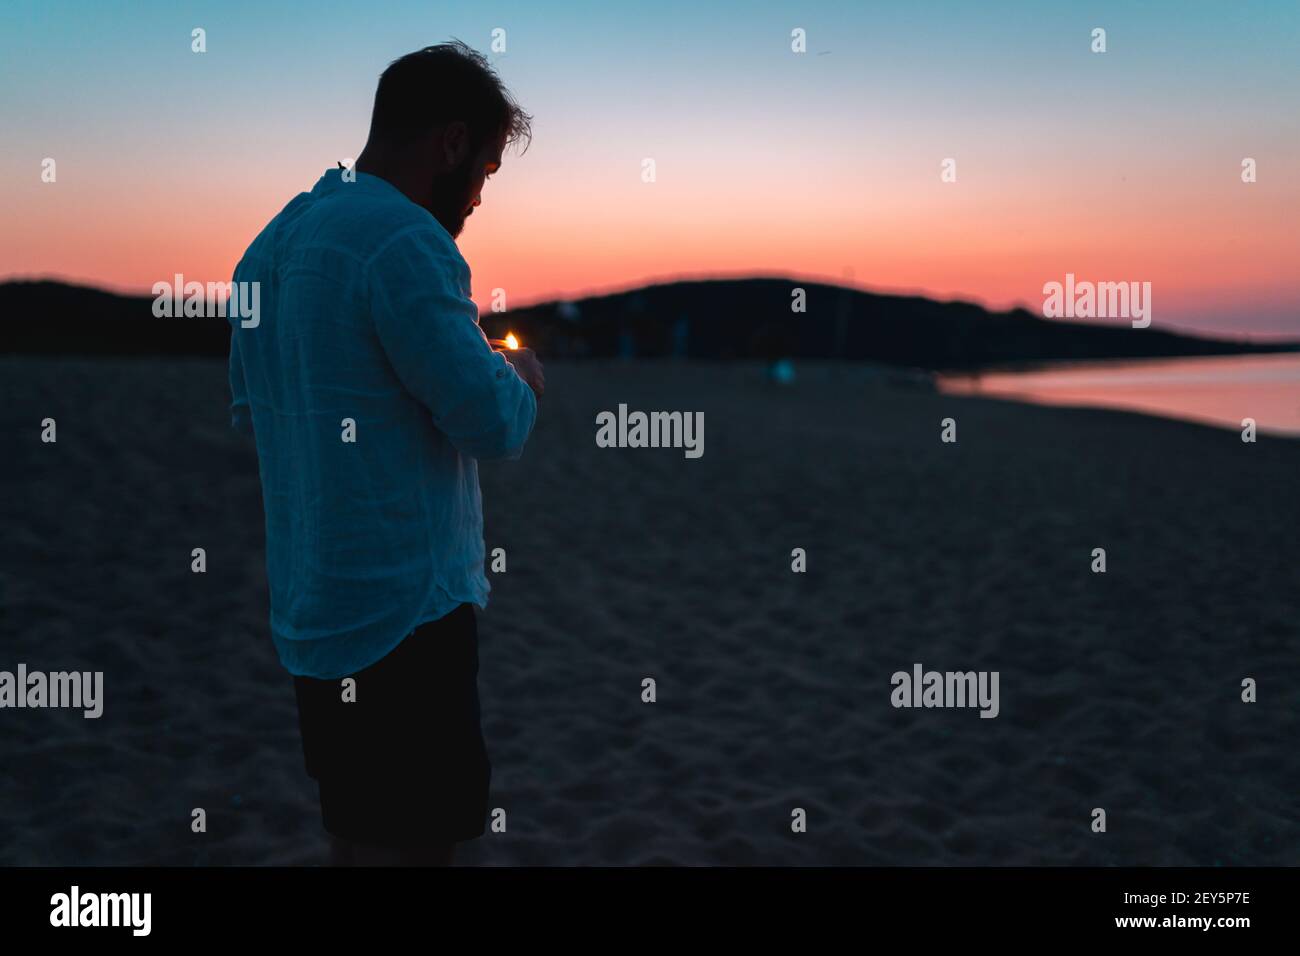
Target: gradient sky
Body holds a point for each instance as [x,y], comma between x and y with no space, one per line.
[1115,166]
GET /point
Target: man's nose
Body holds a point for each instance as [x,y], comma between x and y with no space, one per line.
[478,200]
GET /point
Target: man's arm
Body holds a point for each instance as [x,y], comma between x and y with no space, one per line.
[428,327]
[241,418]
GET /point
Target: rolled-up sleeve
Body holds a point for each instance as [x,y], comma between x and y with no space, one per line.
[241,420]
[428,327]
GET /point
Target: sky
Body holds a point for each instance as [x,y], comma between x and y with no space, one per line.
[1117,166]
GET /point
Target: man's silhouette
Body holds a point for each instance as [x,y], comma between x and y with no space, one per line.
[371,391]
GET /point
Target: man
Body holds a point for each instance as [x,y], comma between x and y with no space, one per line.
[371,391]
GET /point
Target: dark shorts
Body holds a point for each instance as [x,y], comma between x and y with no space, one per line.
[405,764]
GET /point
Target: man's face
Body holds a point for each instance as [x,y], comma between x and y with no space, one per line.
[456,193]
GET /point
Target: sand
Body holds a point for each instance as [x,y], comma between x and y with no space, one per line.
[1118,690]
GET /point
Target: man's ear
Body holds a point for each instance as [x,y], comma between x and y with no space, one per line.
[455,143]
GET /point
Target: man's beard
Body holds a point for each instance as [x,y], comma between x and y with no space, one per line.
[450,200]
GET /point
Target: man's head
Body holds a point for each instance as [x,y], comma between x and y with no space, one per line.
[441,120]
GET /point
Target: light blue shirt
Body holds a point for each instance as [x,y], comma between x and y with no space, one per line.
[364,314]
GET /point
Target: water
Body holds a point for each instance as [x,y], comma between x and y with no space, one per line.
[1216,390]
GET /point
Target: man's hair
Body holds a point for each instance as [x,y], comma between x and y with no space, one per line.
[441,84]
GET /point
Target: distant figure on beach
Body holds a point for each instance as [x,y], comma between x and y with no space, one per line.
[371,392]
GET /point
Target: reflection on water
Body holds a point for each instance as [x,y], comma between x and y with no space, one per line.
[1219,390]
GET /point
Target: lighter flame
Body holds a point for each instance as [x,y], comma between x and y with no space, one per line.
[511,341]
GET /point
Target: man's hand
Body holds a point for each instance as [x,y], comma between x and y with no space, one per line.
[525,363]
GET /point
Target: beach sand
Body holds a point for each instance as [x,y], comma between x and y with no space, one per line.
[1118,690]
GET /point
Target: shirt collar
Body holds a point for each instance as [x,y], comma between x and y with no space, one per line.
[365,182]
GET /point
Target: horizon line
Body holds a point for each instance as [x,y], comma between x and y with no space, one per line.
[652,281]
